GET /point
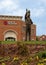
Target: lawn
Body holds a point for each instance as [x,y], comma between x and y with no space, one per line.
[23,42]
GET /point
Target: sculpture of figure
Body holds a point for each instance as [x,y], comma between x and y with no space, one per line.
[27,17]
[28,22]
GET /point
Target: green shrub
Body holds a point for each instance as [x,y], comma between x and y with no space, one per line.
[42,54]
[23,50]
[39,55]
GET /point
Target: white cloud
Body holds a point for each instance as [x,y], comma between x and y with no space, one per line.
[37,12]
[13,8]
[10,7]
[9,4]
[40,1]
[44,1]
[20,12]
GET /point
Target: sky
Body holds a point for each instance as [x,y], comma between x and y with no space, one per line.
[18,8]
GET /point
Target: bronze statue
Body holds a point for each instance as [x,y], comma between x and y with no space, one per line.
[28,22]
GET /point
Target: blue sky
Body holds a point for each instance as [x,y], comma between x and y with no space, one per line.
[18,7]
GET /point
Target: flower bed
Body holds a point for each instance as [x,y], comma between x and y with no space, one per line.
[22,54]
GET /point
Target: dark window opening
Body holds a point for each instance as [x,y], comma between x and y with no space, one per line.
[10,39]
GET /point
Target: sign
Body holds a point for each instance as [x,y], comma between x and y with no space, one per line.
[10,22]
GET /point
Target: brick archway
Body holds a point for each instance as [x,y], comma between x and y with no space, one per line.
[10,35]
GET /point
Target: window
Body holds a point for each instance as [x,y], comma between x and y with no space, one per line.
[10,39]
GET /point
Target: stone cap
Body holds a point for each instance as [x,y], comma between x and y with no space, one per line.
[10,17]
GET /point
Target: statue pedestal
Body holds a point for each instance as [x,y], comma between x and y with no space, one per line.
[33,32]
[32,35]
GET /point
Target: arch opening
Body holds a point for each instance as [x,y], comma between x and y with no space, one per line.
[10,36]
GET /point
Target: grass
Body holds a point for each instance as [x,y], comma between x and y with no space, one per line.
[35,42]
[23,42]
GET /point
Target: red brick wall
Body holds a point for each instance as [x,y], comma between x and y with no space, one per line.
[17,27]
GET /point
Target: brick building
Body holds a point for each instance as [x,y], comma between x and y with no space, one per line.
[42,38]
[13,28]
